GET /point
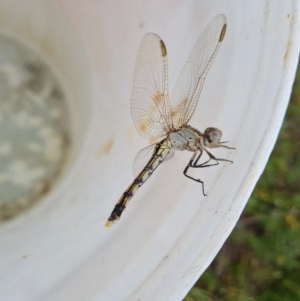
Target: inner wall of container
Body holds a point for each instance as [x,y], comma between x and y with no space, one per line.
[43,102]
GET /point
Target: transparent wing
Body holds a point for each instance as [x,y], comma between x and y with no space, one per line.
[189,84]
[143,156]
[150,106]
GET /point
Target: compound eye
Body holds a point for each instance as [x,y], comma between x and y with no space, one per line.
[213,136]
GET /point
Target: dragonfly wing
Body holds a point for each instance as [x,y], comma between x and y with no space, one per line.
[144,155]
[150,106]
[191,79]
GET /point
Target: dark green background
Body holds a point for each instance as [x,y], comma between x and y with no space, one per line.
[261,259]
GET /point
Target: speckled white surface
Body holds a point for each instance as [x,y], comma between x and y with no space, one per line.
[34,128]
[170,233]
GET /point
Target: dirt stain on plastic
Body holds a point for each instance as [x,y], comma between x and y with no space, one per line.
[106,147]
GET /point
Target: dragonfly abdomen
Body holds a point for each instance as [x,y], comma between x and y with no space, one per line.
[161,151]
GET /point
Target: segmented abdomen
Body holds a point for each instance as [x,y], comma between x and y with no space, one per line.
[161,151]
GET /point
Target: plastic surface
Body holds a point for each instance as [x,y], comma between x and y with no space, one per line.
[169,233]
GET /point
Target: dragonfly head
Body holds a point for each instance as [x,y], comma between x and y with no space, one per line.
[212,137]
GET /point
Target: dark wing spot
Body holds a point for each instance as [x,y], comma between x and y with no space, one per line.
[222,34]
[163,48]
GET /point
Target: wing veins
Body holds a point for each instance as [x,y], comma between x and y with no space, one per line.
[190,82]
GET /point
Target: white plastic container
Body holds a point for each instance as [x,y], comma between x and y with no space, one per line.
[169,233]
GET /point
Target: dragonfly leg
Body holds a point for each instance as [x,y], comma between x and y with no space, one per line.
[195,163]
[192,164]
[212,157]
[203,164]
[206,163]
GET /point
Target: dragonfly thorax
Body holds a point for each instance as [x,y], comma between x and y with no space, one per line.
[186,138]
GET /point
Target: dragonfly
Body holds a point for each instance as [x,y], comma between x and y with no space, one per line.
[164,119]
